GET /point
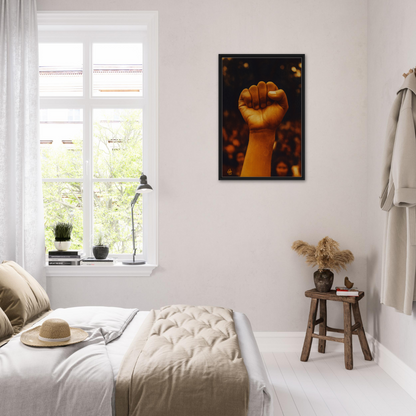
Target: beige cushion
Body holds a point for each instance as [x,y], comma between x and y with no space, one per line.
[22,298]
[6,329]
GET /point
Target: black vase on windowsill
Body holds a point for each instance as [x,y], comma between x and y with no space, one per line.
[100,252]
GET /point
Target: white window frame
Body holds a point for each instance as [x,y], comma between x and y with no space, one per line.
[123,27]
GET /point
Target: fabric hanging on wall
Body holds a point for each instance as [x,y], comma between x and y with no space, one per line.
[21,210]
[399,199]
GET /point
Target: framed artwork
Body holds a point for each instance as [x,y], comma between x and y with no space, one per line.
[262,117]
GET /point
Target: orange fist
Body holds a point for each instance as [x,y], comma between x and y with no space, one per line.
[263,106]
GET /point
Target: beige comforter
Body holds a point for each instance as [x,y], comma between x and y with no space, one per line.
[184,361]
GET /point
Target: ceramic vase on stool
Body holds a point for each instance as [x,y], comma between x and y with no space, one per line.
[323,280]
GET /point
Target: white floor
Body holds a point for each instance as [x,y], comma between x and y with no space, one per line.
[323,387]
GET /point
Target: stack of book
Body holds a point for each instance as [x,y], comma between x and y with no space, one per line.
[64,258]
[92,261]
[344,291]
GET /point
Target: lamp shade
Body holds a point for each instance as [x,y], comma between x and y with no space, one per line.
[144,187]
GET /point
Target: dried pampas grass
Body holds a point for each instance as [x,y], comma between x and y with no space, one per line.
[326,255]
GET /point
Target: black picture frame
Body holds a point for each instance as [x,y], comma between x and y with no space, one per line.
[240,71]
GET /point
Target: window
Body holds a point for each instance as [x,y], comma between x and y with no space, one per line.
[98,127]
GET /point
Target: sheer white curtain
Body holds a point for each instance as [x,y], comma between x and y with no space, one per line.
[21,211]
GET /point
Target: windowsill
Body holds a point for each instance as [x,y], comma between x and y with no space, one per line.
[118,270]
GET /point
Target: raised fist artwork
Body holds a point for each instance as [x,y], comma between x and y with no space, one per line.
[262,113]
[263,106]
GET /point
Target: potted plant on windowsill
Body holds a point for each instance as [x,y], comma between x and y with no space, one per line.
[327,256]
[62,232]
[100,250]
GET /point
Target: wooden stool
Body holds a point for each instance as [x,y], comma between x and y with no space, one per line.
[348,331]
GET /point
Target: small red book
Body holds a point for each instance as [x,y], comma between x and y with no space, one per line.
[344,291]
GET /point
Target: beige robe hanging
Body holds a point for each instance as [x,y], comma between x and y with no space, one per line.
[399,199]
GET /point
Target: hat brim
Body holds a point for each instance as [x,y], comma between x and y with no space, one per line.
[31,339]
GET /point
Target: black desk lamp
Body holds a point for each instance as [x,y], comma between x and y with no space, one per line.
[143,188]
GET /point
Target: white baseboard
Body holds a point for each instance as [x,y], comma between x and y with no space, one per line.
[392,365]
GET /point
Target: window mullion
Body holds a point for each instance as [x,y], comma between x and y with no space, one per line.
[62,180]
[70,102]
[88,151]
[116,180]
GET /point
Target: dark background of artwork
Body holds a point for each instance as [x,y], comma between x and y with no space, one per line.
[242,72]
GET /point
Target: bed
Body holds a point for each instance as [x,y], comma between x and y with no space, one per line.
[87,378]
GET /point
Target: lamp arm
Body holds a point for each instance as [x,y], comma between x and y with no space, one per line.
[133,203]
[134,200]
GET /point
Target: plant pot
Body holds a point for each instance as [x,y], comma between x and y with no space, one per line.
[323,280]
[62,245]
[100,252]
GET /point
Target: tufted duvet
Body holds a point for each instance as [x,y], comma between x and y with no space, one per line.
[186,359]
[80,379]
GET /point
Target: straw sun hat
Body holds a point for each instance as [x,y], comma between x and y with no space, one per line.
[53,333]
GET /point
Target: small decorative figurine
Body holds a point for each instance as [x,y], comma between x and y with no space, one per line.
[347,283]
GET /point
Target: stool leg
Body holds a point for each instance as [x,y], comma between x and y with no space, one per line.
[309,331]
[361,333]
[322,325]
[347,336]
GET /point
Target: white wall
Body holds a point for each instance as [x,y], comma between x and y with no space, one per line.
[391,51]
[228,243]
